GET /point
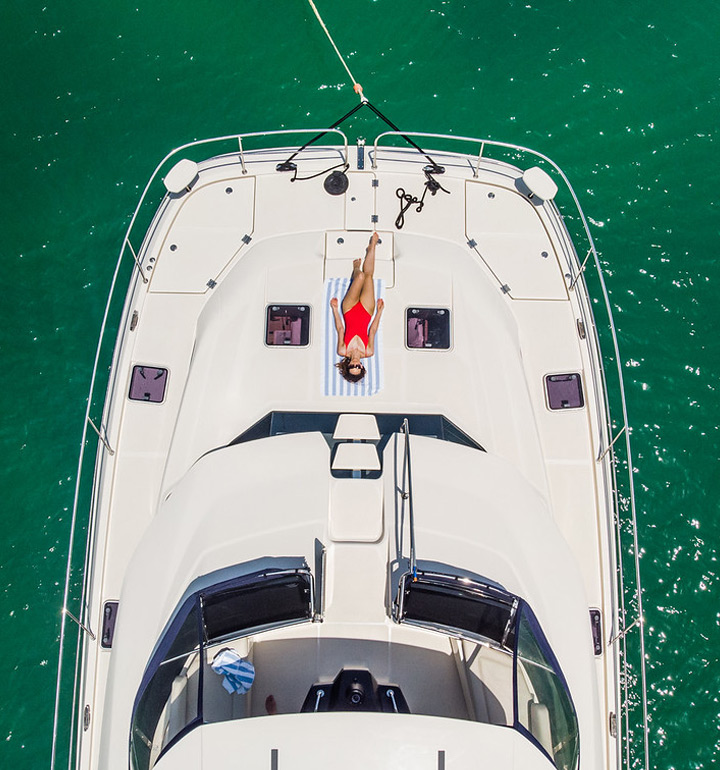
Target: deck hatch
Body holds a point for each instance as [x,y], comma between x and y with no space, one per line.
[287,325]
[427,328]
[148,383]
[564,391]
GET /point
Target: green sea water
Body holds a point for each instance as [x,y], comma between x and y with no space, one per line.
[622,95]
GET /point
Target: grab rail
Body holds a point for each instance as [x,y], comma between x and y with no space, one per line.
[406,494]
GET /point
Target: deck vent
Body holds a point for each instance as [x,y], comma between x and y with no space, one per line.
[564,391]
[108,625]
[427,328]
[287,325]
[148,383]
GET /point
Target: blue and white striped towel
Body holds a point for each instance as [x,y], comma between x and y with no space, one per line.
[333,382]
[238,674]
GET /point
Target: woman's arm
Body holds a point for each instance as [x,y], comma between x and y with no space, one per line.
[339,327]
[372,331]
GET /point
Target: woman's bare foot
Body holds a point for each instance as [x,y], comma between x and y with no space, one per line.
[271,705]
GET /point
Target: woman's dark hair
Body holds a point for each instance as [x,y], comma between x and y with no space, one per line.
[344,367]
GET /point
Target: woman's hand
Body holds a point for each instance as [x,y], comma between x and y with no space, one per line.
[334,303]
[380,305]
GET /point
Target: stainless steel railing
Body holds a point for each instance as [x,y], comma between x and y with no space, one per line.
[625,515]
[407,496]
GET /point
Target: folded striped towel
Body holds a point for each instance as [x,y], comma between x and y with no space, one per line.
[238,674]
[333,382]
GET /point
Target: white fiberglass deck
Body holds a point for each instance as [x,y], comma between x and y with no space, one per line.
[177,502]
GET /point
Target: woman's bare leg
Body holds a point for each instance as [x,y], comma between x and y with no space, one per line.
[352,296]
[367,294]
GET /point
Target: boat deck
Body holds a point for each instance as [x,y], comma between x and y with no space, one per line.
[239,243]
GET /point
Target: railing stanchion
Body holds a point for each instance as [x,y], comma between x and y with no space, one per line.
[85,628]
[610,445]
[581,270]
[242,156]
[137,261]
[102,438]
[476,170]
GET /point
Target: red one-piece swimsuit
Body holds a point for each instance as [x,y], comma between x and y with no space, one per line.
[356,323]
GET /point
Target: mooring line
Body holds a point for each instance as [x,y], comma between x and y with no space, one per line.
[356,86]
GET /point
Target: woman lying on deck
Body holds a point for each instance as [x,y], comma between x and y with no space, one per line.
[355,339]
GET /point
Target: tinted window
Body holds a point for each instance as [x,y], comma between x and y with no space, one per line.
[271,601]
[548,714]
[167,706]
[448,604]
[170,695]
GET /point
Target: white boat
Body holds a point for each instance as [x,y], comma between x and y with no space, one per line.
[421,570]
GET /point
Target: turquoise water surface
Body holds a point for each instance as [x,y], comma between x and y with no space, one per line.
[622,95]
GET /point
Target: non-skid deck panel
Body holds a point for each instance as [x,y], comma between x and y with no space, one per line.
[205,234]
[513,242]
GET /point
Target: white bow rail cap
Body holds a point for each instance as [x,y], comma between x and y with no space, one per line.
[356,457]
[357,427]
[181,176]
[539,183]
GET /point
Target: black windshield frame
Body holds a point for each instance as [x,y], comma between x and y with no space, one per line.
[444,602]
[503,617]
[175,643]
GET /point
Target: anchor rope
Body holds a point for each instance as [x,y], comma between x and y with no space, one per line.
[356,86]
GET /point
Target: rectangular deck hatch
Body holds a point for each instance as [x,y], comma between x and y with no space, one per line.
[287,325]
[427,328]
[564,391]
[148,383]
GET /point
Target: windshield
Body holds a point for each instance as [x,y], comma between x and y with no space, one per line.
[457,603]
[170,699]
[542,708]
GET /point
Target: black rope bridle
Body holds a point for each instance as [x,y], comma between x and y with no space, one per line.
[406,200]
